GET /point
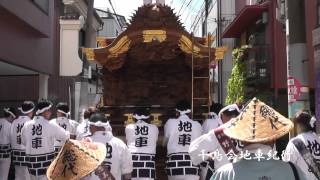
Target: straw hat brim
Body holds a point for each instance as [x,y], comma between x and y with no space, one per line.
[84,160]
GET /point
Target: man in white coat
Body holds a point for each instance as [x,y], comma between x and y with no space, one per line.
[38,136]
[178,135]
[83,129]
[118,157]
[5,148]
[142,142]
[63,121]
[18,149]
[304,149]
[215,143]
[213,120]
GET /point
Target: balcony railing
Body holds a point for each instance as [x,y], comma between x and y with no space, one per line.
[258,72]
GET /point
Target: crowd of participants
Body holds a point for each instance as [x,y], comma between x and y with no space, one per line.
[232,144]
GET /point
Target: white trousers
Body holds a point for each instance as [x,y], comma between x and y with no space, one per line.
[43,177]
[4,168]
[21,173]
[182,177]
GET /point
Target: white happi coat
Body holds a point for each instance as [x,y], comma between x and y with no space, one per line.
[179,133]
[68,125]
[142,142]
[172,133]
[18,149]
[118,156]
[83,129]
[212,122]
[138,130]
[208,145]
[5,149]
[16,131]
[311,141]
[39,136]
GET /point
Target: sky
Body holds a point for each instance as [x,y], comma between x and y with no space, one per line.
[128,7]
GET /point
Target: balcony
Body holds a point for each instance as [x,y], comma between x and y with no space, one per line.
[258,71]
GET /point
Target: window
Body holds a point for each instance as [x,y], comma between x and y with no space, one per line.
[43,5]
[263,72]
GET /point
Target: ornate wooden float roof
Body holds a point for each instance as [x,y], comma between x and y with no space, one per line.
[154,34]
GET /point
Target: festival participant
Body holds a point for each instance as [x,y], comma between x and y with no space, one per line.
[304,149]
[213,120]
[178,134]
[5,148]
[38,137]
[18,149]
[83,128]
[63,121]
[258,126]
[214,142]
[142,141]
[118,157]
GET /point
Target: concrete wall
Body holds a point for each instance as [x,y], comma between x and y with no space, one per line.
[27,37]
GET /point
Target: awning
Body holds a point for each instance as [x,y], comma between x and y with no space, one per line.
[247,16]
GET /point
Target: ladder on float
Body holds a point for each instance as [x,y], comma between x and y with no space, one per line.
[198,99]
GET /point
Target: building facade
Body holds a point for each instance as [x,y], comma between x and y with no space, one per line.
[39,56]
[29,42]
[259,24]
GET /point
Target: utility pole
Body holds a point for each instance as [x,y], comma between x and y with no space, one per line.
[89,43]
[297,62]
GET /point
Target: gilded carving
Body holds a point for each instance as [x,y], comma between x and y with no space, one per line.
[101,42]
[89,53]
[151,35]
[186,45]
[156,121]
[129,119]
[120,47]
[220,51]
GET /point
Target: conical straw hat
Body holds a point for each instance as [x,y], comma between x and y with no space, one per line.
[76,159]
[258,123]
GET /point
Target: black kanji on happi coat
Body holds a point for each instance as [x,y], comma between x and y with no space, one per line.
[37,141]
[19,128]
[141,141]
[143,130]
[69,159]
[185,126]
[37,130]
[109,151]
[184,139]
[314,147]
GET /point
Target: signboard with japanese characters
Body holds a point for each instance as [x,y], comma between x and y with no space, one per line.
[294,89]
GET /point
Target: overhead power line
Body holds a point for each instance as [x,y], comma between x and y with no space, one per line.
[186,6]
[117,18]
[184,1]
[197,18]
